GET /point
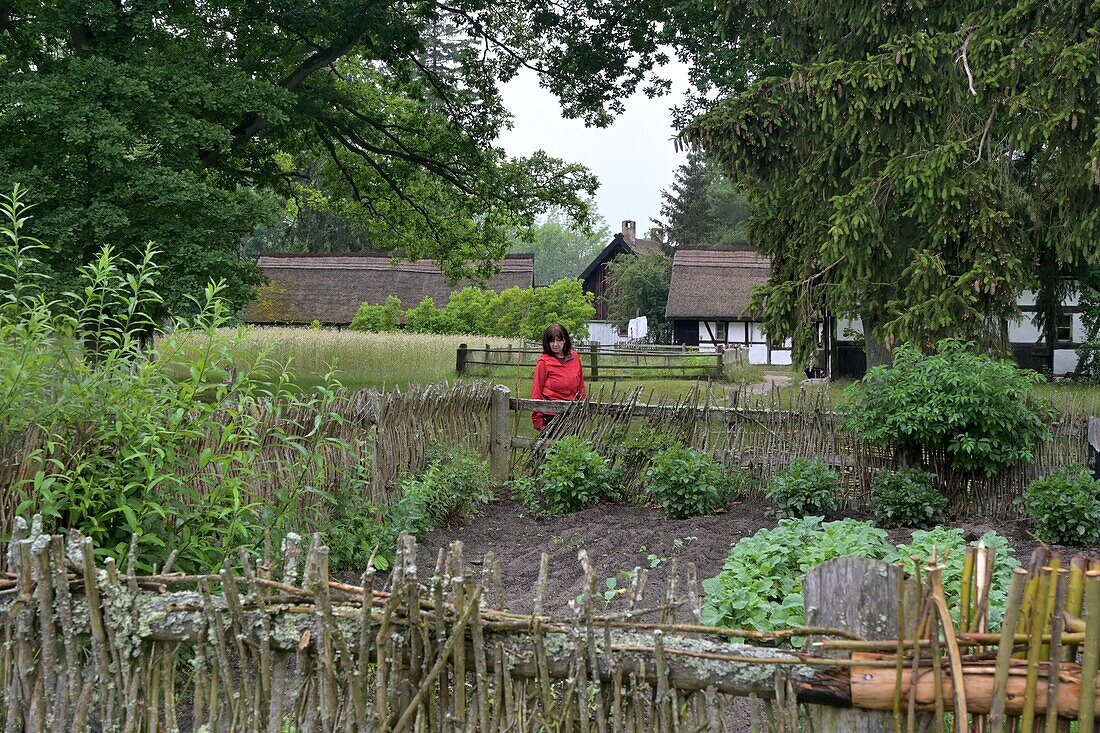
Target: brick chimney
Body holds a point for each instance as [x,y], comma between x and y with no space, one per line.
[629,230]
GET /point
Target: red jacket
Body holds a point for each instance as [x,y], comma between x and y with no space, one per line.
[556,380]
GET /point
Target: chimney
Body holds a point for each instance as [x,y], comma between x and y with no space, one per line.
[629,230]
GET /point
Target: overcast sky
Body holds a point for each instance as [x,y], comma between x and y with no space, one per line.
[634,158]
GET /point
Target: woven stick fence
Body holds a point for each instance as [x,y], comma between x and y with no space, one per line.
[764,433]
[280,646]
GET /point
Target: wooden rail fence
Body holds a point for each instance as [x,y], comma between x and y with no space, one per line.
[277,645]
[610,363]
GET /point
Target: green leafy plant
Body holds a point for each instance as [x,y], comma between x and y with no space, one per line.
[1065,506]
[907,498]
[574,476]
[378,318]
[687,483]
[166,446]
[760,585]
[805,487]
[981,412]
[949,547]
[635,451]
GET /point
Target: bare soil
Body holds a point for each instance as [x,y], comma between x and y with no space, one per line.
[621,536]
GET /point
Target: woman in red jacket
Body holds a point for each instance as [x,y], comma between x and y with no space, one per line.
[558,373]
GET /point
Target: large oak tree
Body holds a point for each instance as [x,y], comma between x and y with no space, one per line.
[913,164]
[181,122]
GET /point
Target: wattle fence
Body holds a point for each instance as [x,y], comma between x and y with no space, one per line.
[274,644]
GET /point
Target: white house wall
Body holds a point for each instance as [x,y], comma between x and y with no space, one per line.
[1065,361]
[604,333]
[741,334]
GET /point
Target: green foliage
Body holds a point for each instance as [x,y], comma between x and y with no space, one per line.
[760,585]
[639,286]
[455,481]
[562,248]
[378,318]
[805,487]
[982,413]
[190,123]
[703,208]
[949,547]
[573,477]
[163,445]
[636,448]
[687,483]
[907,498]
[1088,353]
[1065,506]
[426,318]
[898,173]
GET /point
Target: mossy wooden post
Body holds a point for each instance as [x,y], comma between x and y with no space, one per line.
[861,596]
[1094,446]
[720,356]
[460,359]
[500,435]
[594,361]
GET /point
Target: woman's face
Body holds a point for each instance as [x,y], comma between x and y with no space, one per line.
[557,345]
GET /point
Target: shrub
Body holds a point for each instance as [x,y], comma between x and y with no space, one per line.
[687,483]
[950,544]
[635,451]
[166,445]
[805,487]
[760,586]
[980,411]
[574,476]
[426,318]
[453,482]
[378,318]
[1065,506]
[907,498]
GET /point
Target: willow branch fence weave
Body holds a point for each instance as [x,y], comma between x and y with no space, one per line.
[764,433]
[277,645]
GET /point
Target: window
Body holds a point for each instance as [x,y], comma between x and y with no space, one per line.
[720,332]
[1063,327]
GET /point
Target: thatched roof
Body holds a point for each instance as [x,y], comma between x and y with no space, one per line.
[714,284]
[329,288]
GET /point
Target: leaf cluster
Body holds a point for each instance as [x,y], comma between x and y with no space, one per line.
[688,483]
[455,481]
[980,412]
[164,445]
[512,313]
[760,585]
[806,487]
[1065,506]
[573,477]
[907,497]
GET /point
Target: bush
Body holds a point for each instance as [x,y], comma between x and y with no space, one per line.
[574,476]
[760,586]
[805,487]
[687,483]
[454,481]
[1065,506]
[979,411]
[907,498]
[165,446]
[378,318]
[635,451]
[949,544]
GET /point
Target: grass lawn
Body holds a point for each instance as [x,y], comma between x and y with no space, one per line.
[396,360]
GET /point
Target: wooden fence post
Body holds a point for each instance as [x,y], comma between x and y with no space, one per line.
[460,359]
[861,596]
[500,435]
[1094,446]
[594,360]
[720,353]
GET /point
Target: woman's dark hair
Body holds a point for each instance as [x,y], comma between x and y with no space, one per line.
[556,329]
